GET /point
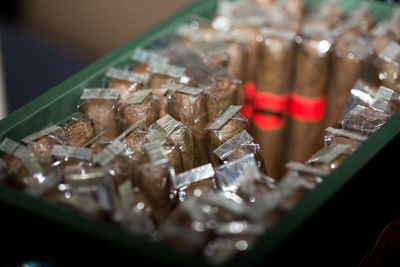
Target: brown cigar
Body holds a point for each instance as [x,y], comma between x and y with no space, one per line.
[307,100]
[351,54]
[273,81]
[147,108]
[102,112]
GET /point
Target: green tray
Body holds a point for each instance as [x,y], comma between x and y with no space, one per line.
[63,99]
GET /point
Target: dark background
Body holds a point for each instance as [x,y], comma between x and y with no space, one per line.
[44,42]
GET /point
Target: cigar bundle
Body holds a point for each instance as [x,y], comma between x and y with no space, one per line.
[273,81]
[161,148]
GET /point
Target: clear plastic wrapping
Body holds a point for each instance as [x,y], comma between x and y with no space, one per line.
[77,130]
[364,120]
[325,16]
[23,168]
[115,157]
[160,73]
[133,137]
[134,213]
[340,136]
[100,105]
[170,148]
[359,20]
[196,182]
[330,157]
[141,105]
[193,101]
[155,180]
[231,176]
[362,94]
[240,145]
[188,227]
[388,66]
[386,100]
[41,142]
[352,59]
[294,187]
[182,136]
[385,31]
[244,18]
[226,126]
[221,47]
[216,82]
[126,82]
[269,208]
[94,185]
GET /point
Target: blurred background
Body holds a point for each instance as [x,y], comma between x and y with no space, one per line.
[43,42]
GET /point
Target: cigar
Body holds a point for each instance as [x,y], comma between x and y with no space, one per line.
[351,55]
[273,81]
[94,186]
[134,141]
[142,105]
[41,143]
[77,133]
[170,147]
[340,136]
[364,121]
[307,99]
[194,101]
[154,177]
[102,112]
[226,126]
[196,182]
[126,82]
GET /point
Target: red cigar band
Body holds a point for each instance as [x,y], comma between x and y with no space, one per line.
[271,102]
[247,111]
[268,122]
[306,109]
[250,90]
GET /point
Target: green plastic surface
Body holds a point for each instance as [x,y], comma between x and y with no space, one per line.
[63,99]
